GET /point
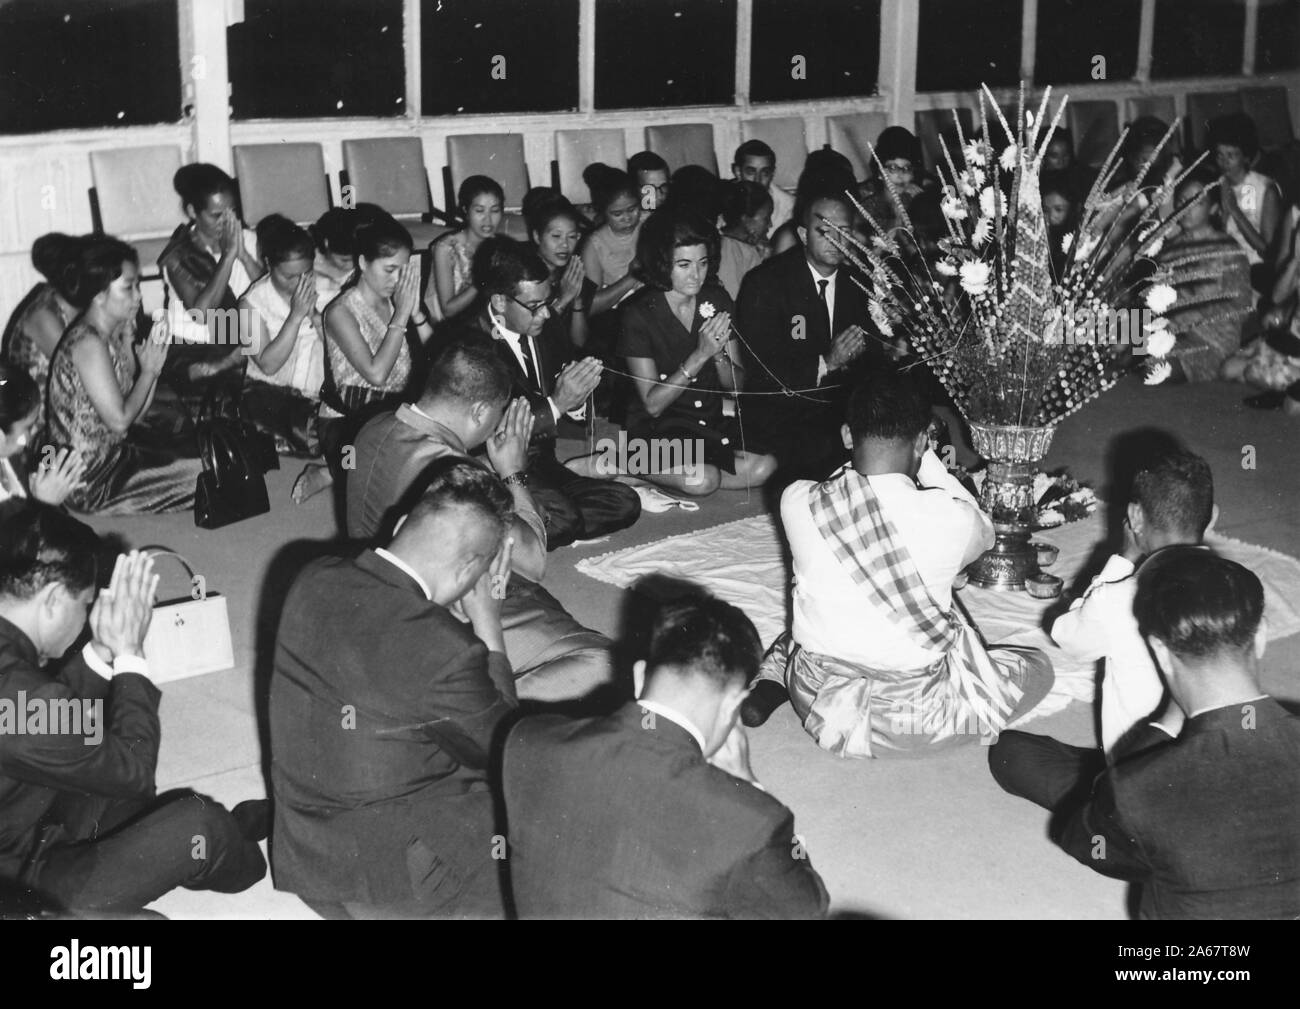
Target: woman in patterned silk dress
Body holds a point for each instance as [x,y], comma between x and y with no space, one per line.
[99,387]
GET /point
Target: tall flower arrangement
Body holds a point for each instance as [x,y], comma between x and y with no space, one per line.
[1014,344]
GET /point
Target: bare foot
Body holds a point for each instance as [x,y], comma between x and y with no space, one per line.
[313,479]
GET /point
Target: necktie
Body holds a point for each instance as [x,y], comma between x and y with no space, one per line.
[530,365]
[826,305]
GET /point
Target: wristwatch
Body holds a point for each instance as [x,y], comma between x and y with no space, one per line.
[518,477]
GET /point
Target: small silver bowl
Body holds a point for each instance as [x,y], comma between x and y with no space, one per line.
[1043,586]
[1047,554]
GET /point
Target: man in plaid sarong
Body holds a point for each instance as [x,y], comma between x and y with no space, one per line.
[881,660]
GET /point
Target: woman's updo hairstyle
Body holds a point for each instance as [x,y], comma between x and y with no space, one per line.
[281,240]
[98,265]
[55,258]
[196,184]
[607,185]
[19,396]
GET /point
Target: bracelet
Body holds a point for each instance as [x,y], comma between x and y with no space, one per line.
[518,477]
[420,322]
[396,325]
[688,375]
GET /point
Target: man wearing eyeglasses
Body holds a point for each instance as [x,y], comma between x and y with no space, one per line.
[517,286]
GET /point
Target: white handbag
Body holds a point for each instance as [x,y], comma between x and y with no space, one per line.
[188,636]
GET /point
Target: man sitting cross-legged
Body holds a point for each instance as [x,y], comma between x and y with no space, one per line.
[463,407]
[518,298]
[881,659]
[383,709]
[1173,504]
[653,812]
[1199,807]
[81,828]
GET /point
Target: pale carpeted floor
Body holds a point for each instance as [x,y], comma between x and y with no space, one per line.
[920,838]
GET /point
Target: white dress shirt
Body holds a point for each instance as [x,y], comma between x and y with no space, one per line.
[513,341]
[121,664]
[822,366]
[397,562]
[834,615]
[676,717]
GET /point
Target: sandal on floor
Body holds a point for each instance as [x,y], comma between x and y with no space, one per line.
[655,500]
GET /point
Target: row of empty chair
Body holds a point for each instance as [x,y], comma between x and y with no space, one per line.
[291,178]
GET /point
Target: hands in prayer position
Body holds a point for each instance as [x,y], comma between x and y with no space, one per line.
[576,382]
[121,615]
[507,448]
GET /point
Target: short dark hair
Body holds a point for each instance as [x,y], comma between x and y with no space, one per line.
[453,482]
[543,205]
[741,199]
[646,161]
[890,404]
[805,211]
[468,372]
[753,149]
[501,264]
[1197,603]
[195,184]
[695,190]
[476,185]
[1176,493]
[705,636]
[19,396]
[41,545]
[98,265]
[1236,129]
[280,240]
[666,231]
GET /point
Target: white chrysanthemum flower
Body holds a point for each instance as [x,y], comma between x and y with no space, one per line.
[1160,343]
[1008,159]
[1157,372]
[1160,297]
[707,311]
[973,152]
[947,267]
[953,208]
[879,317]
[966,185]
[977,174]
[982,231]
[974,278]
[987,200]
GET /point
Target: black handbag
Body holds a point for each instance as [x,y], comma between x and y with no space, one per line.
[231,487]
[225,403]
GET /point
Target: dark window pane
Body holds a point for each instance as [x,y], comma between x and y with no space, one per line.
[1278,46]
[1071,33]
[962,44]
[79,63]
[301,59]
[839,43]
[658,53]
[1197,38]
[499,55]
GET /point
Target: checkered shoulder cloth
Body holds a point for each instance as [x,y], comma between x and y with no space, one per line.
[849,517]
[847,513]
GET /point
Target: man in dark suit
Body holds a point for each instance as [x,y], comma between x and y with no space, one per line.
[518,288]
[465,405]
[383,708]
[1200,807]
[803,322]
[81,829]
[653,811]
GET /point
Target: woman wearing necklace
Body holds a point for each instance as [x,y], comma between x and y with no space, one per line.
[208,265]
[368,357]
[99,388]
[678,344]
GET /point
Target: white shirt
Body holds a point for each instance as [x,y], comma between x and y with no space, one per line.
[676,717]
[304,368]
[782,206]
[818,279]
[1101,625]
[397,562]
[833,614]
[121,664]
[513,341]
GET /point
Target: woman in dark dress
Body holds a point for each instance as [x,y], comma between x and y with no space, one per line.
[679,346]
